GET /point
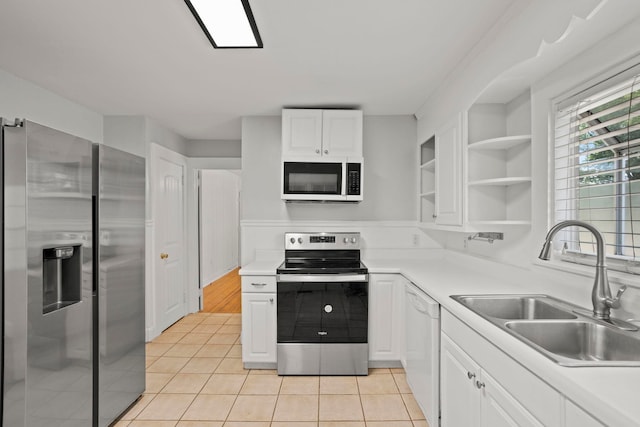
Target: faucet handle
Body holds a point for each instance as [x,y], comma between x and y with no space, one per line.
[615,302]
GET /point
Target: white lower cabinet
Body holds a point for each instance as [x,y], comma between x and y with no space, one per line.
[465,385]
[576,417]
[457,374]
[259,322]
[478,375]
[386,319]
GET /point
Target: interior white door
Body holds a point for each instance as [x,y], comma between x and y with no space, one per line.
[169,240]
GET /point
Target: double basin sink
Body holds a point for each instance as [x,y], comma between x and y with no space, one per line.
[563,332]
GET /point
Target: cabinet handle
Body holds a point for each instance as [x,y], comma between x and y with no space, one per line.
[271,300]
[164,256]
[470,375]
[317,151]
[479,385]
[258,284]
[434,215]
[326,151]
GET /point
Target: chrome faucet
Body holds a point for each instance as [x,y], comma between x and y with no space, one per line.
[601,297]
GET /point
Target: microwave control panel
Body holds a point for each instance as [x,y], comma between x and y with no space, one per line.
[353,179]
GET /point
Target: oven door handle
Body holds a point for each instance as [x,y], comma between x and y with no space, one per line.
[333,278]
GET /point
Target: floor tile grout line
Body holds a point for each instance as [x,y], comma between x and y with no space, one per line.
[280,387]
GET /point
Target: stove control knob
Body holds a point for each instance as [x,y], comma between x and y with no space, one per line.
[354,240]
[346,240]
[300,240]
[292,240]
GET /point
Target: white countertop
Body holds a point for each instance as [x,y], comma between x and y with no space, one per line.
[261,268]
[611,394]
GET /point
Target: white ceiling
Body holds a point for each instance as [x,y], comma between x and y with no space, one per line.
[149,57]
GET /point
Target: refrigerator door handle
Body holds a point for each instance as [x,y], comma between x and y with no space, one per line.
[95,242]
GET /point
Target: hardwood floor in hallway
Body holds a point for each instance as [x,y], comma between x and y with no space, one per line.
[223,295]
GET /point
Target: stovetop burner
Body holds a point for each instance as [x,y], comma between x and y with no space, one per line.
[322,267]
[322,253]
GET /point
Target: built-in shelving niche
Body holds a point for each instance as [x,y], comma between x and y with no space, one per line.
[499,163]
[427,180]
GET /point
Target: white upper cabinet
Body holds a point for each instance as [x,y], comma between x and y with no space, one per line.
[302,133]
[342,133]
[476,172]
[321,134]
[448,173]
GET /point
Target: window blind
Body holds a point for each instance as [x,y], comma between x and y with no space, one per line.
[597,174]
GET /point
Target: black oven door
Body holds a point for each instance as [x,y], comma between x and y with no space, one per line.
[312,178]
[322,312]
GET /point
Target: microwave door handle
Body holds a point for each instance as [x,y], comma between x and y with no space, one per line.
[343,189]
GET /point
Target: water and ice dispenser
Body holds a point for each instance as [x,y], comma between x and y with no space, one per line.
[62,277]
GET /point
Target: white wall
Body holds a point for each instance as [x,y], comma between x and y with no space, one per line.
[126,133]
[524,45]
[22,99]
[219,224]
[213,148]
[264,240]
[156,132]
[386,217]
[526,32]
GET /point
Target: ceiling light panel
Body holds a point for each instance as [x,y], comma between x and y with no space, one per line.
[226,23]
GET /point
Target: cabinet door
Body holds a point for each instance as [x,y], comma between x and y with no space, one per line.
[342,133]
[460,399]
[259,327]
[449,173]
[576,417]
[499,409]
[385,317]
[302,133]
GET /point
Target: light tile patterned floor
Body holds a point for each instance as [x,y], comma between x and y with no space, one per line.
[195,378]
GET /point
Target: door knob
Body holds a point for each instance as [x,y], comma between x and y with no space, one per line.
[164,256]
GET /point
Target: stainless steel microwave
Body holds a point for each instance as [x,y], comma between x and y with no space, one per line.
[326,181]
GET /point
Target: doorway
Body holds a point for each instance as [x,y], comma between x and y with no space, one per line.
[219,236]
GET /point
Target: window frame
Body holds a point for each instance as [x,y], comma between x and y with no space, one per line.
[595,86]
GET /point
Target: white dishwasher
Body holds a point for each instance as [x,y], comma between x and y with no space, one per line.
[423,351]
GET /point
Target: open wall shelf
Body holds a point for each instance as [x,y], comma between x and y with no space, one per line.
[499,163]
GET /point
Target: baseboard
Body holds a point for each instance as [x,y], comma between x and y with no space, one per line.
[373,364]
[260,365]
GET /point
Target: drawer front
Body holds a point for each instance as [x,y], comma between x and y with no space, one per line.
[258,284]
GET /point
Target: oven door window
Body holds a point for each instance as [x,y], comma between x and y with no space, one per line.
[312,178]
[322,312]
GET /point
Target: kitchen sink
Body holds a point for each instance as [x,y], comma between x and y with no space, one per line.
[563,332]
[579,341]
[515,307]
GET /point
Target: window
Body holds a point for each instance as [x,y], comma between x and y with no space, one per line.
[597,173]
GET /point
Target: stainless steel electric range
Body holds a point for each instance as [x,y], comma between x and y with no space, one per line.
[323,291]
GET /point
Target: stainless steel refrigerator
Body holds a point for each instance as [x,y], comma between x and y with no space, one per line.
[73,279]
